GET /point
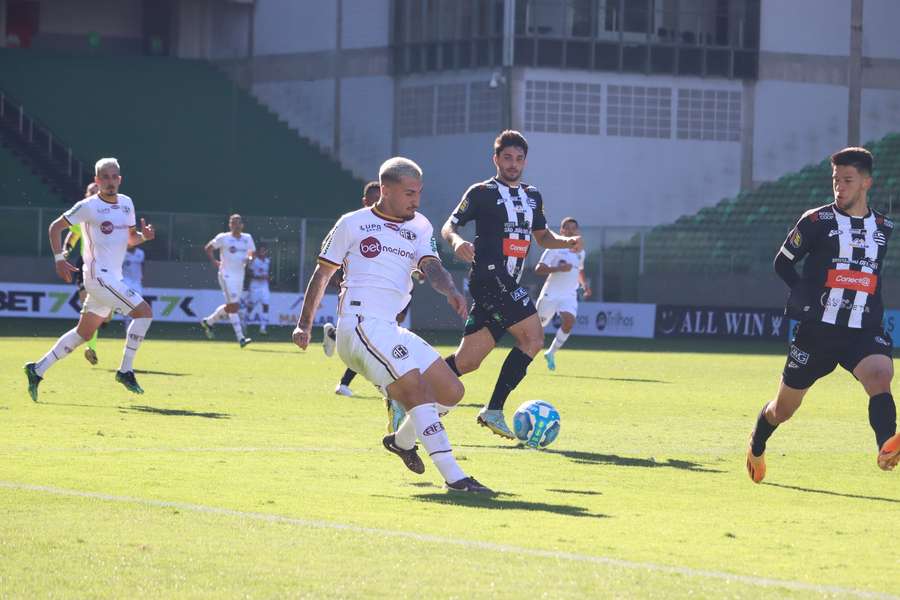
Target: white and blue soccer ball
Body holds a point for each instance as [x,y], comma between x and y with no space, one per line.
[536,423]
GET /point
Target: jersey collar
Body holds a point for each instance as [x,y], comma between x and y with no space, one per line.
[840,212]
[381,215]
[498,182]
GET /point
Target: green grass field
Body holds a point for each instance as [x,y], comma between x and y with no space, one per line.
[240,474]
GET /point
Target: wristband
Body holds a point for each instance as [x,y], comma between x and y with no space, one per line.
[59,257]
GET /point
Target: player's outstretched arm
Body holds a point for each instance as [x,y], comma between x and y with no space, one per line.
[314,292]
[63,268]
[463,249]
[549,239]
[442,283]
[136,238]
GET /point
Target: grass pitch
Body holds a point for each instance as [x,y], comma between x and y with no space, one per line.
[240,473]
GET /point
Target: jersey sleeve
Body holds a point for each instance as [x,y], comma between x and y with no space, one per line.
[581,256]
[800,238]
[251,246]
[80,213]
[546,257]
[216,242]
[132,218]
[467,209]
[336,244]
[427,245]
[538,220]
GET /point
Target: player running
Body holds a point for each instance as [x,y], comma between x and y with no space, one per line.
[379,247]
[564,270]
[133,272]
[72,244]
[507,214]
[837,300]
[107,222]
[259,294]
[236,249]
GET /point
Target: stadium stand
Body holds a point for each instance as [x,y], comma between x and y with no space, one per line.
[188,139]
[742,234]
[19,186]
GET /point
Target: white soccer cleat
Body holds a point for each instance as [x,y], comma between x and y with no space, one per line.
[328,343]
[343,390]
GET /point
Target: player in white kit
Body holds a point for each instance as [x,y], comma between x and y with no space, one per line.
[259,294]
[378,248]
[236,249]
[564,269]
[133,272]
[108,226]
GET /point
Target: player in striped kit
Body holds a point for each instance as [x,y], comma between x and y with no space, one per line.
[837,300]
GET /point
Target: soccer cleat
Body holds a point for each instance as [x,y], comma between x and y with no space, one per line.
[91,356]
[396,414]
[409,457]
[756,465]
[343,390]
[550,357]
[470,485]
[128,380]
[493,420]
[889,455]
[33,380]
[245,341]
[207,329]
[328,340]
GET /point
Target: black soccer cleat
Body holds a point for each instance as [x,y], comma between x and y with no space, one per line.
[245,341]
[470,485]
[128,380]
[33,380]
[409,457]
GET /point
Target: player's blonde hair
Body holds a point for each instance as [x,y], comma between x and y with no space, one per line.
[394,168]
[105,162]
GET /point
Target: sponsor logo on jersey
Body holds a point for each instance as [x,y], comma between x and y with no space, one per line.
[232,249]
[370,227]
[106,227]
[400,352]
[793,365]
[531,202]
[105,209]
[880,238]
[799,355]
[463,206]
[515,248]
[434,428]
[393,226]
[796,238]
[858,243]
[881,340]
[852,280]
[518,293]
[370,247]
[406,234]
[825,215]
[834,232]
[434,245]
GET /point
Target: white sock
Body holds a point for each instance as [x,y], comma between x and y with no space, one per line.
[431,432]
[558,341]
[236,324]
[133,338]
[264,320]
[405,436]
[61,349]
[217,314]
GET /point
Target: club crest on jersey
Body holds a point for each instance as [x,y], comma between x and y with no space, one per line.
[406,234]
[880,239]
[400,352]
[106,227]
[232,249]
[532,202]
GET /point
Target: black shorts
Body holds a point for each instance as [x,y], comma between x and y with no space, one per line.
[817,348]
[498,302]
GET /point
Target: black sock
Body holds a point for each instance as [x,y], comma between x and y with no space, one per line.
[332,333]
[883,417]
[762,432]
[349,374]
[511,373]
[451,362]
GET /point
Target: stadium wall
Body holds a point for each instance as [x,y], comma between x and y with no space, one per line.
[65,25]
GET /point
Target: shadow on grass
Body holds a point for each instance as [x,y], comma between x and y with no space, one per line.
[579,492]
[499,502]
[620,379]
[296,351]
[175,412]
[141,372]
[830,493]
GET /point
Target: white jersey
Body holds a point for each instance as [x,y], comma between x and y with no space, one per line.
[562,283]
[259,271]
[105,229]
[133,266]
[378,254]
[233,252]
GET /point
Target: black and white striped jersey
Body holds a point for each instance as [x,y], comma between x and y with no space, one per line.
[841,280]
[504,219]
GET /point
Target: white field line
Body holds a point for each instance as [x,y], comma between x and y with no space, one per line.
[762,582]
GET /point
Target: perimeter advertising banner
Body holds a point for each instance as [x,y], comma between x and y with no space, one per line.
[28,300]
[611,319]
[718,321]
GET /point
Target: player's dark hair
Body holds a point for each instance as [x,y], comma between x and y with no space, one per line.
[568,220]
[370,186]
[860,158]
[510,138]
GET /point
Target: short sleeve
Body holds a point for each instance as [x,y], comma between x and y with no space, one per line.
[251,246]
[538,220]
[132,218]
[467,209]
[546,257]
[336,244]
[799,239]
[581,256]
[216,242]
[427,245]
[80,213]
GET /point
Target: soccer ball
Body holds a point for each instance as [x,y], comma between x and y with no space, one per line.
[536,423]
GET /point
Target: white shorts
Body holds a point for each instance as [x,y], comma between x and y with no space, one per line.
[135,285]
[104,296]
[232,286]
[259,294]
[381,351]
[548,306]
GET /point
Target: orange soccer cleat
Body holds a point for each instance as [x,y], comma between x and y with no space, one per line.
[756,465]
[889,455]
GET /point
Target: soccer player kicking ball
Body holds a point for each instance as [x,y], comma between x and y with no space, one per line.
[564,270]
[236,249]
[837,300]
[379,247]
[108,225]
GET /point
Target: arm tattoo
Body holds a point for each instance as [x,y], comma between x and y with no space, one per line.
[438,276]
